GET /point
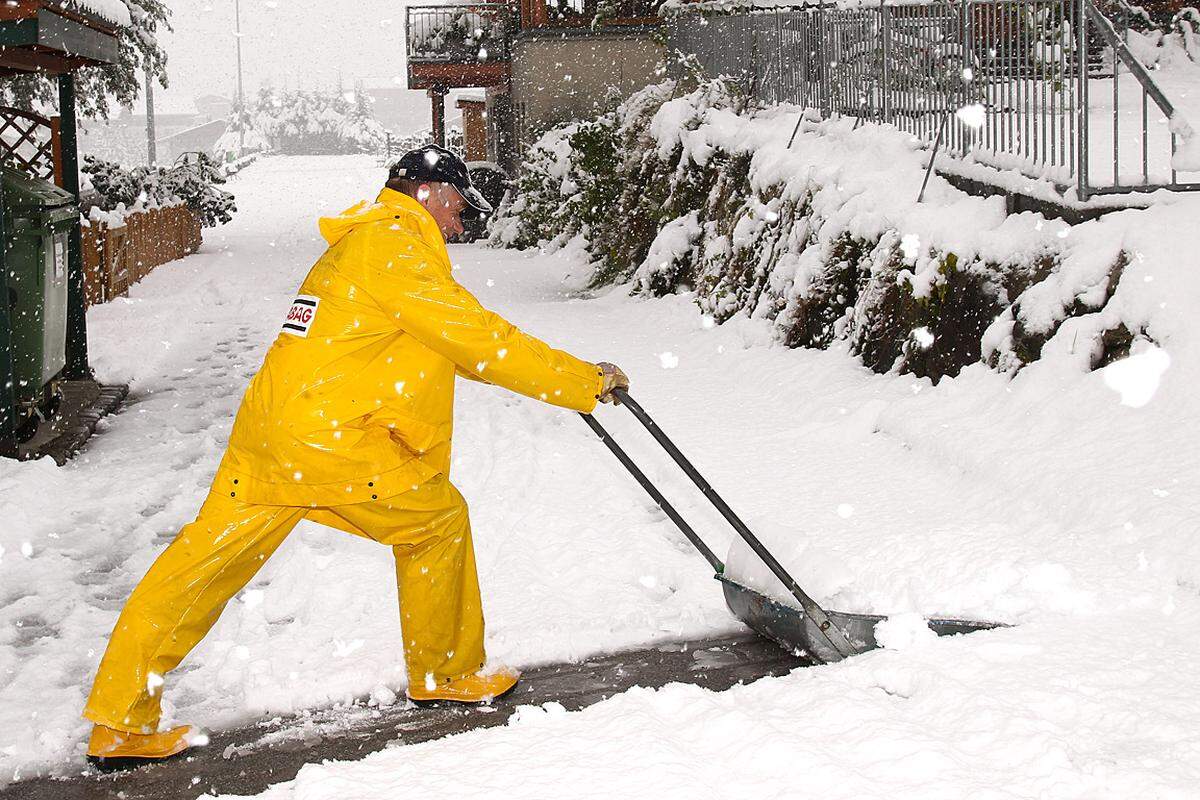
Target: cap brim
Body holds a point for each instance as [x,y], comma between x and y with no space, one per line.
[475,200]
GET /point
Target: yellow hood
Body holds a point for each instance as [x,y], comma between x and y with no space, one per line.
[364,213]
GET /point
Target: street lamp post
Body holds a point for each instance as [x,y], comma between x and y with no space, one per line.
[237,13]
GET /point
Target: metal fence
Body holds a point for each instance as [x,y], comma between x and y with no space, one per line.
[1013,84]
[461,34]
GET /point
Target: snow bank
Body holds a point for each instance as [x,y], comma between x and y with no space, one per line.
[1078,442]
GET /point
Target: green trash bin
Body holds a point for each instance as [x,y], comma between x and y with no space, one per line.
[38,219]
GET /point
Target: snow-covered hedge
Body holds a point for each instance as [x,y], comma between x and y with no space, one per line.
[681,189]
[298,122]
[195,183]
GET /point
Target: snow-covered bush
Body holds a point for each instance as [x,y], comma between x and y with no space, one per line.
[612,180]
[680,189]
[298,122]
[1159,32]
[400,145]
[195,182]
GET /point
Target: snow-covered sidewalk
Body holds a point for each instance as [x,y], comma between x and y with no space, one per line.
[1042,501]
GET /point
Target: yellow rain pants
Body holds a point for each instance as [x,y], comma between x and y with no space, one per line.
[211,559]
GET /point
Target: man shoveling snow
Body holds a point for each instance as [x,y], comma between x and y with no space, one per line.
[348,423]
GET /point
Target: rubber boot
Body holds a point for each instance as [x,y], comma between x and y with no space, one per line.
[110,749]
[478,688]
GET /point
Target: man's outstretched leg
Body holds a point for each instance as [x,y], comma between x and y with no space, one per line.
[169,612]
[440,611]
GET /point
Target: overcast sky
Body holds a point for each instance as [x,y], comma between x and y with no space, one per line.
[284,42]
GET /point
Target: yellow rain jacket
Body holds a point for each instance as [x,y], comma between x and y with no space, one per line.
[355,398]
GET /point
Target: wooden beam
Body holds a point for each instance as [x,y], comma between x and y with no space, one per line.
[76,38]
[438,99]
[29,9]
[49,36]
[34,60]
[431,75]
[19,9]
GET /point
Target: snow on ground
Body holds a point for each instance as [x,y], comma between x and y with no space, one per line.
[1060,502]
[1042,501]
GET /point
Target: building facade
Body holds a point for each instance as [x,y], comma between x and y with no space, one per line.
[540,63]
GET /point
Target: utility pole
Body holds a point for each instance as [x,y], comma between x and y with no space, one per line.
[151,149]
[241,97]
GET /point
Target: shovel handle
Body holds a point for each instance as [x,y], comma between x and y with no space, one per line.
[653,491]
[837,639]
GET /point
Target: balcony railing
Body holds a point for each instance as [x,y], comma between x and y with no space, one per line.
[570,13]
[459,34]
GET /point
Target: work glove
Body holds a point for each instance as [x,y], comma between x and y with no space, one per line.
[614,378]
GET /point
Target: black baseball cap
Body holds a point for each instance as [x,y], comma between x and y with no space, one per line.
[437,164]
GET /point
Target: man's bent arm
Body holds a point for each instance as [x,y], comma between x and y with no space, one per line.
[446,318]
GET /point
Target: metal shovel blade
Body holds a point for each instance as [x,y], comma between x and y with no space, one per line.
[793,630]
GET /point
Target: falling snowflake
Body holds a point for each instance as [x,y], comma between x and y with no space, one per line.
[923,337]
[973,116]
[668,360]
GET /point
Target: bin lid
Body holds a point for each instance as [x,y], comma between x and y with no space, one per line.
[24,191]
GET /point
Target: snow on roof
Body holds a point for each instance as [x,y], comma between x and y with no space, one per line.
[114,11]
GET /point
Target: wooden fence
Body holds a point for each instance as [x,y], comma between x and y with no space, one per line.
[115,258]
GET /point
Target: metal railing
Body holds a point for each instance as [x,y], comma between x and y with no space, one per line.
[587,12]
[1013,84]
[461,34]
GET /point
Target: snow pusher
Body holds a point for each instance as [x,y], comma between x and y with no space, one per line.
[826,636]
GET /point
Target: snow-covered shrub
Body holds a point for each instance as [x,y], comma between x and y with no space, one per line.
[298,122]
[400,145]
[618,180]
[1159,32]
[569,183]
[680,189]
[195,182]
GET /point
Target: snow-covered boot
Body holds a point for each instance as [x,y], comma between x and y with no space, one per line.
[480,687]
[110,749]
